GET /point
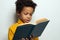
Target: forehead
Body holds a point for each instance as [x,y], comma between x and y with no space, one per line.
[28,9]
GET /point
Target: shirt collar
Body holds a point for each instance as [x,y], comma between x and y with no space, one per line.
[19,21]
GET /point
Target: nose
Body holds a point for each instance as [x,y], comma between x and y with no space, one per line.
[28,16]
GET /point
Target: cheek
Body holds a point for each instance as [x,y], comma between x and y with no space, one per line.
[23,16]
[31,17]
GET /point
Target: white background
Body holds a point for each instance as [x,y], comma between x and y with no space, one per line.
[45,8]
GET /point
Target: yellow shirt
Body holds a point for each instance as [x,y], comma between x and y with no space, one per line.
[12,30]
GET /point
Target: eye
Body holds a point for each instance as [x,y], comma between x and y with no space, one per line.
[25,13]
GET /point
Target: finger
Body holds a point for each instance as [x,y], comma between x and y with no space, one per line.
[31,36]
[27,39]
[23,39]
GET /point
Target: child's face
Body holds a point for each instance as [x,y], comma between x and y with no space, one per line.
[26,14]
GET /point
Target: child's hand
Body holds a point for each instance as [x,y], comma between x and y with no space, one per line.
[24,39]
[31,38]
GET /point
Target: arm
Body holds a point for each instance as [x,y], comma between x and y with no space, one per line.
[10,34]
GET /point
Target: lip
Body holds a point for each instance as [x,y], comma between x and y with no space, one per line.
[27,20]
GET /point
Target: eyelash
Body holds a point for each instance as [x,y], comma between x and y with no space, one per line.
[27,13]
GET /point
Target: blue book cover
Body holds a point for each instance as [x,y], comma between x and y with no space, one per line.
[24,31]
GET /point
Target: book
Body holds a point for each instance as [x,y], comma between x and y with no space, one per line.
[27,29]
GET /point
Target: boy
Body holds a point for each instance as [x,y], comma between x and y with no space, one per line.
[24,10]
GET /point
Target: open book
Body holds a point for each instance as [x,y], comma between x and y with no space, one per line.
[27,29]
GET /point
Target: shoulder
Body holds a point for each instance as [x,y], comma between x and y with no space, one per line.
[13,27]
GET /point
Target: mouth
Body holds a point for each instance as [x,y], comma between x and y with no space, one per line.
[27,21]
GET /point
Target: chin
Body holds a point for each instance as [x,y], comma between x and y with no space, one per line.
[26,21]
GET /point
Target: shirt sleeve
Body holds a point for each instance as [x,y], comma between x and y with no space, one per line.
[10,34]
[35,38]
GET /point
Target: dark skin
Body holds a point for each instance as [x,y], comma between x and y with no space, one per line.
[26,16]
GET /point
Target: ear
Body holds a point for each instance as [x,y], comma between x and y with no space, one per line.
[18,14]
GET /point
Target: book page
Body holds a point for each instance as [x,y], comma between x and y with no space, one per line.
[41,20]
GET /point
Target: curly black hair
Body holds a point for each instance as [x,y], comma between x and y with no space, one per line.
[21,3]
